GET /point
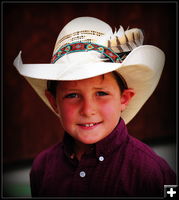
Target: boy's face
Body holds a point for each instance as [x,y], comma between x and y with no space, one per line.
[90,109]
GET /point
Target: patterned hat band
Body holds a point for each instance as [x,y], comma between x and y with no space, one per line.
[88,46]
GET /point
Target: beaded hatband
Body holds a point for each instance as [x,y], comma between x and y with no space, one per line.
[88,46]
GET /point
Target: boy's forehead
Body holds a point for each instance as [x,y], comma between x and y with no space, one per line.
[101,80]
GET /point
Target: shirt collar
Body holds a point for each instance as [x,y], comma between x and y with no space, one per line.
[103,147]
[113,141]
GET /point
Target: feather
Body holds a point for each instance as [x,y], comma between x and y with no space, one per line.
[122,41]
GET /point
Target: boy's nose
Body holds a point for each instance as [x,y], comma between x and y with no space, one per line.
[88,108]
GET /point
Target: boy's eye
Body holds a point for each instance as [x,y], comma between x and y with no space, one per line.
[72,95]
[101,93]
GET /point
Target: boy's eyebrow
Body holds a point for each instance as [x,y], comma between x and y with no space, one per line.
[78,89]
[73,89]
[98,88]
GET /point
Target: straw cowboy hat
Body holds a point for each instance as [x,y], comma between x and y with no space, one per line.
[87,47]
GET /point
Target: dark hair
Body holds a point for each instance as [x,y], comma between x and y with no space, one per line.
[120,81]
[52,84]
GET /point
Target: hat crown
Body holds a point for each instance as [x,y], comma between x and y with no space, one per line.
[85,23]
[82,29]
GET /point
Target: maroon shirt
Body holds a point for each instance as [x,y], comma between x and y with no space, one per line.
[119,165]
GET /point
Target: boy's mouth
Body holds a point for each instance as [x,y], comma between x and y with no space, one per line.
[92,124]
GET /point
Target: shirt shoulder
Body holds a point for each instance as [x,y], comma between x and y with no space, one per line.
[46,156]
[145,151]
[150,163]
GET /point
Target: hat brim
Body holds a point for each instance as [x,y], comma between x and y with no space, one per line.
[141,69]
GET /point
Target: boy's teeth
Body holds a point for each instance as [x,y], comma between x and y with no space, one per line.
[88,125]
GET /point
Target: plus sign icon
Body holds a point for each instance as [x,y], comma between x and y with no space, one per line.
[171,191]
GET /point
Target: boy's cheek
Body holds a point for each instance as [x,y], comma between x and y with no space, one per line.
[67,113]
[65,109]
[111,111]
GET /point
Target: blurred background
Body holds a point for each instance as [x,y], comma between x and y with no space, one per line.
[30,127]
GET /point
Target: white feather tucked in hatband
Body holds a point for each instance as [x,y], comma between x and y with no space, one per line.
[122,41]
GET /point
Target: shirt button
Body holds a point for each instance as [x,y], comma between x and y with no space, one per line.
[101,158]
[82,174]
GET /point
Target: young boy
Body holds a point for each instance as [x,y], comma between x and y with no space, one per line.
[97,82]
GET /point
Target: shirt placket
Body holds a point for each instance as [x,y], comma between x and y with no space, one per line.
[82,175]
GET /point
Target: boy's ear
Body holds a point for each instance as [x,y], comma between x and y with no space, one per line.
[126,97]
[51,100]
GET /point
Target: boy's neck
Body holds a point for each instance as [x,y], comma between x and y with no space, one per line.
[80,149]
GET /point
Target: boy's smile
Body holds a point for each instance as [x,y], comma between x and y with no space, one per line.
[89,125]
